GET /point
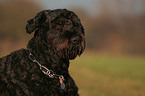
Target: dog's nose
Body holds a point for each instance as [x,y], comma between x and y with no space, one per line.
[75,40]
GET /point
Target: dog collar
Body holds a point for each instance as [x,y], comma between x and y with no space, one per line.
[48,72]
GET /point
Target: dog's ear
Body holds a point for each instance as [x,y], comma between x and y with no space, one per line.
[37,21]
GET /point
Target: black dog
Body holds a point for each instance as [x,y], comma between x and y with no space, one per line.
[42,69]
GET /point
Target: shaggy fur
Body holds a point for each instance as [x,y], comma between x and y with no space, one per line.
[58,38]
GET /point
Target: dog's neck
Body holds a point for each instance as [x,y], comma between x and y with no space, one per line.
[48,58]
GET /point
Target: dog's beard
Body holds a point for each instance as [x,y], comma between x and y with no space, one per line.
[74,51]
[72,54]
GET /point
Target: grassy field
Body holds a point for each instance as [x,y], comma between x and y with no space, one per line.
[97,75]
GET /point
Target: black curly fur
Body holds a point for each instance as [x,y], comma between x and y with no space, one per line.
[59,37]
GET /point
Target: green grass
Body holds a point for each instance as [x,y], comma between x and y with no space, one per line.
[109,75]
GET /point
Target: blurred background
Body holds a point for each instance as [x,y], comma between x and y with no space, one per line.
[114,61]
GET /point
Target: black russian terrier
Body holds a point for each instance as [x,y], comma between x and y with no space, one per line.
[42,68]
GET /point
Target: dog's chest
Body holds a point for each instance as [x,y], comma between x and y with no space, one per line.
[31,84]
[19,76]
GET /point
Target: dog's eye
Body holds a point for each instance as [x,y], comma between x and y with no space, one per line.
[57,26]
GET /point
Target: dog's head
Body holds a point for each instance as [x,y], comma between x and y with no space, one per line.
[61,30]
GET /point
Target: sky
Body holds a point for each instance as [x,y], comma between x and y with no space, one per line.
[94,7]
[90,6]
